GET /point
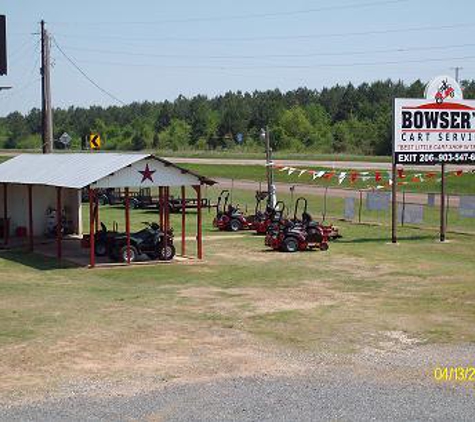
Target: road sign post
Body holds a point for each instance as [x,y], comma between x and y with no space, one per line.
[94,141]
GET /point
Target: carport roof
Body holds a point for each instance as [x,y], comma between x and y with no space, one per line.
[74,171]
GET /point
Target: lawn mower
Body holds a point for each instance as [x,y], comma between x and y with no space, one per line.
[270,216]
[297,234]
[150,241]
[229,217]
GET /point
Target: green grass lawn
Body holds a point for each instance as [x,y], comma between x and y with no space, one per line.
[175,320]
[284,155]
[464,184]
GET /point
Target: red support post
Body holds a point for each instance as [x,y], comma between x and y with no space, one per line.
[127,223]
[96,212]
[6,224]
[183,221]
[59,224]
[199,223]
[30,216]
[160,205]
[92,254]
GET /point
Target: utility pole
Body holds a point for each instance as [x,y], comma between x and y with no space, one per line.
[457,72]
[47,112]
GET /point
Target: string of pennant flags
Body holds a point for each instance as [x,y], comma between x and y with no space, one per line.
[383,178]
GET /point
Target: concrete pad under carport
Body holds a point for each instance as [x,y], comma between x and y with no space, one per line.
[77,255]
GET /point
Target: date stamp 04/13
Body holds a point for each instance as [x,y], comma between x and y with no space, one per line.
[455,373]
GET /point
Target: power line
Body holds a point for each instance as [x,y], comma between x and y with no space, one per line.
[259,56]
[85,75]
[245,16]
[279,66]
[437,28]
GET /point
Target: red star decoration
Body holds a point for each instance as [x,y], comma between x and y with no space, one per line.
[147,174]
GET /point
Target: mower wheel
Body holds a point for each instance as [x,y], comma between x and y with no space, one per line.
[235,225]
[166,253]
[324,247]
[290,244]
[100,248]
[133,253]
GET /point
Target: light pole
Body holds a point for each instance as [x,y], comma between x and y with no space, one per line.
[271,199]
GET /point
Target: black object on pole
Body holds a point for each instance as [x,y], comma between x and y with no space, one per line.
[3,45]
[443,220]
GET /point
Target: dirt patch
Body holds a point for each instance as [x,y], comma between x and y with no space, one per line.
[253,301]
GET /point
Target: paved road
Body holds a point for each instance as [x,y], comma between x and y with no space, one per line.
[357,165]
[337,397]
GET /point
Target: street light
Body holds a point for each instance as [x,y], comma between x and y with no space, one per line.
[264,135]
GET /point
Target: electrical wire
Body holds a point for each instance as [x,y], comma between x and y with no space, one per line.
[260,56]
[280,66]
[246,16]
[73,63]
[429,28]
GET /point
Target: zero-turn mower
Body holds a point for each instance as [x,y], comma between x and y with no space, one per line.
[228,216]
[297,234]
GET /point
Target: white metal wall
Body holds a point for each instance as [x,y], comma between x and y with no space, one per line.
[43,198]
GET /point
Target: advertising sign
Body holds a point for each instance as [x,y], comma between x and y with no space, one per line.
[436,130]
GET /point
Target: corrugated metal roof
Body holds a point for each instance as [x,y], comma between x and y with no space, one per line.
[64,170]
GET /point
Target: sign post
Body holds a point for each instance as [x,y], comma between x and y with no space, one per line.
[437,130]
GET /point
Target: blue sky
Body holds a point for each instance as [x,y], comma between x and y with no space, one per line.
[156,50]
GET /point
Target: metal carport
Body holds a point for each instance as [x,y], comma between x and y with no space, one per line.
[30,177]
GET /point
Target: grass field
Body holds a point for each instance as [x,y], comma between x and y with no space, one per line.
[464,184]
[216,317]
[231,154]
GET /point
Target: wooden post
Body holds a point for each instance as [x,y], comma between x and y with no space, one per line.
[183,221]
[92,254]
[30,216]
[160,205]
[443,221]
[394,185]
[165,218]
[127,223]
[59,224]
[6,225]
[96,212]
[360,206]
[199,234]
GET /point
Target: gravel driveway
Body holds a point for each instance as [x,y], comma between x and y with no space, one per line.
[341,397]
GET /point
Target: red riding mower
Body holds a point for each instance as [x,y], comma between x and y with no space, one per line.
[297,235]
[270,216]
[229,217]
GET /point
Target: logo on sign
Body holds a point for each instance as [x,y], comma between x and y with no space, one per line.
[443,89]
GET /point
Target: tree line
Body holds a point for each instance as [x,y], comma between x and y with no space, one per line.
[341,119]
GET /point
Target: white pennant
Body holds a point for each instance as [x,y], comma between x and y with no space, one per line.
[284,169]
[290,170]
[302,172]
[341,177]
[318,175]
